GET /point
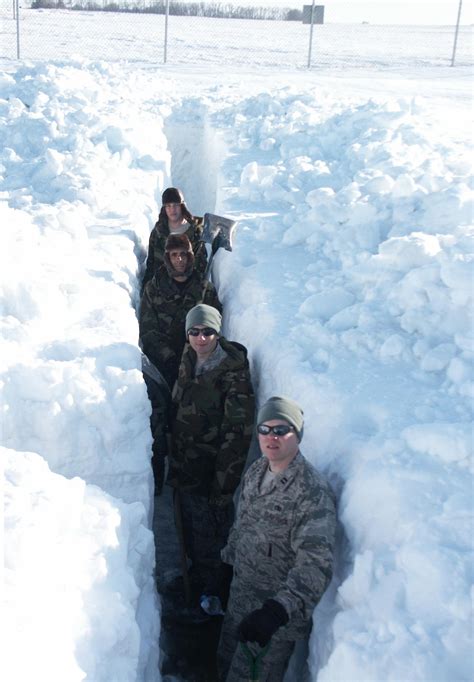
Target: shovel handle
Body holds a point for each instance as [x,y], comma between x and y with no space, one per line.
[254,660]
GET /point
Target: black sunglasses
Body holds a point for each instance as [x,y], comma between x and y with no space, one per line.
[205,331]
[278,430]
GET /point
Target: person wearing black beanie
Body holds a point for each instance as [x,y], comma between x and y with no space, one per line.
[174,218]
[166,300]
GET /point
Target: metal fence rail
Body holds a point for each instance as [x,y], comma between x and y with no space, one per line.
[62,34]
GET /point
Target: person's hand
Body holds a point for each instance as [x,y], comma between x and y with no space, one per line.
[260,625]
[216,243]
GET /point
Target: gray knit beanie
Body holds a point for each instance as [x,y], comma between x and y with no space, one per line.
[204,314]
[280,407]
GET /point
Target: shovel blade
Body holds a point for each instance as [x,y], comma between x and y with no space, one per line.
[216,225]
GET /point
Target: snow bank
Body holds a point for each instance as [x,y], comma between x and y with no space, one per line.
[77,565]
[81,189]
[350,283]
[356,254]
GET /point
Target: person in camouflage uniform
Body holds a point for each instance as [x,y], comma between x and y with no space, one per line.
[174,218]
[280,550]
[212,426]
[167,298]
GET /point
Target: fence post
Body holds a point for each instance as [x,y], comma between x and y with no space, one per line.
[311,36]
[456,33]
[167,11]
[17,3]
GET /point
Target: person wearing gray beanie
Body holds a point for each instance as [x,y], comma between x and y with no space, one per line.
[206,315]
[280,407]
[213,407]
[280,551]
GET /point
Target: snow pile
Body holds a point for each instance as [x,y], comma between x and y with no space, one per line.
[77,566]
[72,389]
[350,283]
[358,263]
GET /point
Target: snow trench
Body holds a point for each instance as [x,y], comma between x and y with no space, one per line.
[202,166]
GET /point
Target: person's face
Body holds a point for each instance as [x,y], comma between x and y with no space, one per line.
[179,260]
[201,344]
[174,212]
[279,450]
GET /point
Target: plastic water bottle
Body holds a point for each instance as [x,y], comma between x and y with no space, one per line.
[211,605]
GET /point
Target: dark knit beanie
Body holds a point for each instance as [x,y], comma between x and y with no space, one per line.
[178,242]
[172,195]
[280,407]
[204,314]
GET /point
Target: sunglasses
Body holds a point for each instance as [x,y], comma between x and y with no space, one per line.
[278,430]
[206,331]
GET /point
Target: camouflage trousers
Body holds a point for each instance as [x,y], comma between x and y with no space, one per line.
[233,662]
[205,530]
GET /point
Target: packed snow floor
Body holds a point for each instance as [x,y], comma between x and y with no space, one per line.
[351,285]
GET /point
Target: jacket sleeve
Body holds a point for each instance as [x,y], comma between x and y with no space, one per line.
[235,434]
[150,261]
[210,296]
[313,539]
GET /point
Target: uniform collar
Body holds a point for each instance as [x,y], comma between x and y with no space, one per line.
[283,478]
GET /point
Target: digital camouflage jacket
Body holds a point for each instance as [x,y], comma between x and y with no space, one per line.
[281,544]
[163,310]
[156,248]
[212,429]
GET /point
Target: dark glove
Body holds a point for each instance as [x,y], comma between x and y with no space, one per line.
[216,243]
[260,625]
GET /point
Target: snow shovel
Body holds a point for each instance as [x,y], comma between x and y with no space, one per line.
[254,660]
[217,231]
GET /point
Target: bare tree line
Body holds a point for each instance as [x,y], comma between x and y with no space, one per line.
[190,9]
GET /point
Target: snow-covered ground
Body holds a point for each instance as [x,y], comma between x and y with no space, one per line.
[351,283]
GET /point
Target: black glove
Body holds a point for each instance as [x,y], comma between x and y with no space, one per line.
[216,243]
[260,625]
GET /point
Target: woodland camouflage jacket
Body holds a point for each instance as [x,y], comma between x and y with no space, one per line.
[163,310]
[156,248]
[212,429]
[282,543]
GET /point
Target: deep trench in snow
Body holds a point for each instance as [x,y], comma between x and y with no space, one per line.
[187,646]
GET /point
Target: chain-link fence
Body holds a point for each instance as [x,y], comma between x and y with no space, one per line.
[57,34]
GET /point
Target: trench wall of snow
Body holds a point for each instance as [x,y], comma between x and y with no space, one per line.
[352,286]
[81,166]
[197,152]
